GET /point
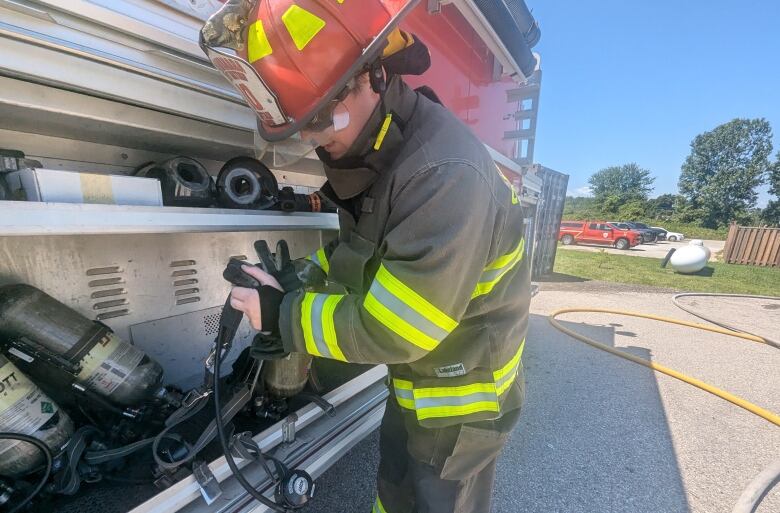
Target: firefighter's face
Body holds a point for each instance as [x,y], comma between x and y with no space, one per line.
[350,116]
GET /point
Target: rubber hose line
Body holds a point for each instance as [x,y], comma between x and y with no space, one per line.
[49,462]
[223,439]
[742,403]
[758,488]
[751,497]
[693,312]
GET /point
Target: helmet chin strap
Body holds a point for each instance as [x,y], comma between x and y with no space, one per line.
[378,79]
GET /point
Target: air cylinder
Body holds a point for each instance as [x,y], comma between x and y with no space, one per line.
[288,376]
[26,410]
[108,365]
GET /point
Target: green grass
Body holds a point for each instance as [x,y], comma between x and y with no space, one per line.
[716,277]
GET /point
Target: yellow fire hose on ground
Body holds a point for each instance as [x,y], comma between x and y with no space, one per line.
[764,482]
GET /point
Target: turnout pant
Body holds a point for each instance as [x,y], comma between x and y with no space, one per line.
[446,470]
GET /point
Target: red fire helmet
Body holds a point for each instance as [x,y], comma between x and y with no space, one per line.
[292,58]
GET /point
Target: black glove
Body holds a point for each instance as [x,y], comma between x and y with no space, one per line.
[279,265]
[270,297]
[269,347]
[291,274]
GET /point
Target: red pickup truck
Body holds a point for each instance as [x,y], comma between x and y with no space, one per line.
[597,232]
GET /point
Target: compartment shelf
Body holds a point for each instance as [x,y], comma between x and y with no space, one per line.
[29,218]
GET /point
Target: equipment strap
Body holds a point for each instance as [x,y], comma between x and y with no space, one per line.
[235,405]
[68,481]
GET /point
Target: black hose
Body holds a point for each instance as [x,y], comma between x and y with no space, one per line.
[758,489]
[49,459]
[223,335]
[676,301]
[668,256]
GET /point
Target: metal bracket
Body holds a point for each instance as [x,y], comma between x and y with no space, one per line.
[288,428]
[208,484]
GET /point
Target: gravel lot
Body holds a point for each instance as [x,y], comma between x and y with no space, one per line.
[601,434]
[655,250]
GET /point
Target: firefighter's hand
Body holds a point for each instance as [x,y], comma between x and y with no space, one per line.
[248,301]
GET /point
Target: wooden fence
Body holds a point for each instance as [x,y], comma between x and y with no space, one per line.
[753,246]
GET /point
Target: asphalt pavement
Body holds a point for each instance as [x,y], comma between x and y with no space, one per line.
[601,434]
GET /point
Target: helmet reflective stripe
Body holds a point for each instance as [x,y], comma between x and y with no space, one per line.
[302,25]
[258,45]
[303,52]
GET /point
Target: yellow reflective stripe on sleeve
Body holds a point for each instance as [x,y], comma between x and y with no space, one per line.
[399,326]
[405,312]
[449,401]
[414,300]
[507,259]
[302,25]
[257,44]
[317,323]
[306,324]
[319,258]
[329,328]
[323,260]
[404,393]
[378,507]
[403,384]
[493,273]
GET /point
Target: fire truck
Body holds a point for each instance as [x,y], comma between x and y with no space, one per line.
[114,129]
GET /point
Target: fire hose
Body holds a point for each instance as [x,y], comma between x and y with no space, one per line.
[766,480]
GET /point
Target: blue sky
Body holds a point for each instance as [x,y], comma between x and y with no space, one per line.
[637,80]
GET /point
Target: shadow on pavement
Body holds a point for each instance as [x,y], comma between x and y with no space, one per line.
[593,436]
[562,278]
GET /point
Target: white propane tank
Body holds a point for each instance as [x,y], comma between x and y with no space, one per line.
[689,259]
[700,243]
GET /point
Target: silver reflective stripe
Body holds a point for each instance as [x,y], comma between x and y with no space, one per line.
[404,394]
[403,311]
[489,276]
[432,402]
[316,325]
[509,377]
[315,257]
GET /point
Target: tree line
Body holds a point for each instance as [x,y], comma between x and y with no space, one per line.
[718,183]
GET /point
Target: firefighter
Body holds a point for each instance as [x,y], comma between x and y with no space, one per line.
[428,274]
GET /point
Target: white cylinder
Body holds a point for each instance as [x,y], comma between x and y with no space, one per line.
[689,259]
[700,243]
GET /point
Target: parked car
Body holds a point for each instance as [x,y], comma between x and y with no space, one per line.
[597,232]
[647,235]
[660,233]
[671,236]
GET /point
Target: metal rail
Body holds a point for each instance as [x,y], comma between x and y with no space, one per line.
[28,218]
